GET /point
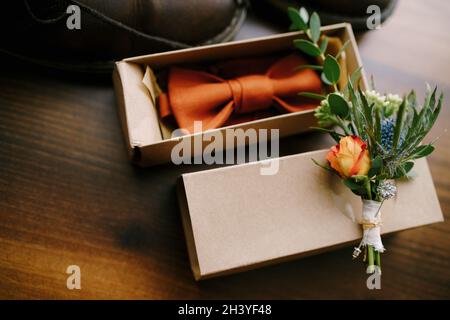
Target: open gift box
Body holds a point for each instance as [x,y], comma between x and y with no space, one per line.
[148,139]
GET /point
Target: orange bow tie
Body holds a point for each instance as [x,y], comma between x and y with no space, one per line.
[201,96]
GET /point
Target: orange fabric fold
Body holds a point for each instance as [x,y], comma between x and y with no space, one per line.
[201,96]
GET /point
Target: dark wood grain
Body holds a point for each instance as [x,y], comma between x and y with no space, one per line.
[68,194]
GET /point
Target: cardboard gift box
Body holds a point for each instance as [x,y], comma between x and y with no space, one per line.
[306,210]
[146,137]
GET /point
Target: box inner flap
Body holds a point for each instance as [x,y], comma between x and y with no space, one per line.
[141,115]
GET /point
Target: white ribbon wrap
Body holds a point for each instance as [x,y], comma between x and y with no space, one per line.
[371,221]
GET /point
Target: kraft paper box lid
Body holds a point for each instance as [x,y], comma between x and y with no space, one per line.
[236,219]
[147,145]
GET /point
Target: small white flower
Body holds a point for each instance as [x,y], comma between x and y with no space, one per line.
[394,98]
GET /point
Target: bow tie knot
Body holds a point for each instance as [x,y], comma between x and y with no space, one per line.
[251,93]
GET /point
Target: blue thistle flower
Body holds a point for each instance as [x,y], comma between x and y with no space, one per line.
[387,134]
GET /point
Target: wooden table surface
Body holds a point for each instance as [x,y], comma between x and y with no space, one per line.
[68,194]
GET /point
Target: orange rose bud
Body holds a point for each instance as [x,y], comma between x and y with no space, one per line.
[350,157]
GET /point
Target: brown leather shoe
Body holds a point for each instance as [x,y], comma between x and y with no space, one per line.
[330,11]
[110,30]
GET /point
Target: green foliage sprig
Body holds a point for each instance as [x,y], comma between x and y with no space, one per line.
[316,45]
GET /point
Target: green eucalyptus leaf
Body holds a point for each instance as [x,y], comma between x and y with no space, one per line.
[324,44]
[308,66]
[338,105]
[297,21]
[331,69]
[314,26]
[304,15]
[325,80]
[293,27]
[307,47]
[312,95]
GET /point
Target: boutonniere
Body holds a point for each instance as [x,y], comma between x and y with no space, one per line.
[378,137]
